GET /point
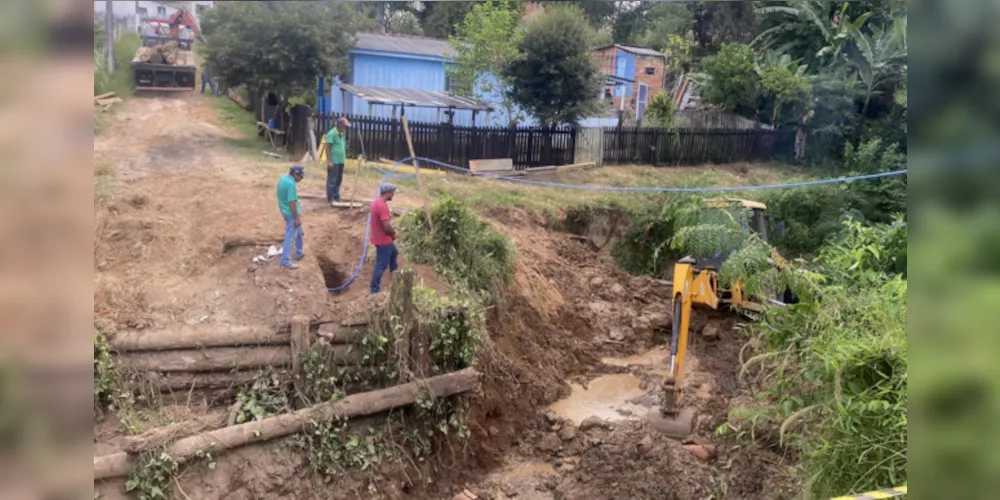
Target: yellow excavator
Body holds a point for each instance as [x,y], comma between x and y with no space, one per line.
[696,283]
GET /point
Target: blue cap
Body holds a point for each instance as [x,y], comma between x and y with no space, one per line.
[297,169]
[386,188]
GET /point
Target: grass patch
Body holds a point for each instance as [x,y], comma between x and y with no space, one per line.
[239,121]
[121,81]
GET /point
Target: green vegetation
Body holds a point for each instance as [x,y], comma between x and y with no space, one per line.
[296,32]
[555,79]
[151,479]
[265,397]
[120,81]
[832,376]
[487,42]
[467,252]
[114,390]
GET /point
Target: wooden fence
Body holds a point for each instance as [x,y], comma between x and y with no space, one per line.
[685,146]
[527,146]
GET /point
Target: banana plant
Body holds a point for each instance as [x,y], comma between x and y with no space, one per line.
[880,58]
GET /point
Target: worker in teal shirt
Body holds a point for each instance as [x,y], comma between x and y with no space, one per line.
[336,156]
[291,211]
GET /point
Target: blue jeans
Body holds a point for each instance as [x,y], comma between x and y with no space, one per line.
[292,233]
[211,85]
[334,177]
[385,257]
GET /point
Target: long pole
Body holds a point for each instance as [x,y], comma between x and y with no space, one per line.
[109,34]
[416,168]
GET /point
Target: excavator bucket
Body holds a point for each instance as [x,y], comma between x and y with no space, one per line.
[668,419]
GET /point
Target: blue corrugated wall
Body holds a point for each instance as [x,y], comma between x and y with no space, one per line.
[402,72]
[391,72]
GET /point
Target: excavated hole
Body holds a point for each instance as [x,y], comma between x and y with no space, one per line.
[332,276]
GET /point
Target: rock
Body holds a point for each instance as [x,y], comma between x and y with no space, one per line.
[511,491]
[494,432]
[567,468]
[617,289]
[657,320]
[575,447]
[710,332]
[552,417]
[557,462]
[591,422]
[551,482]
[646,444]
[616,334]
[550,442]
[641,326]
[555,427]
[567,433]
[596,281]
[704,453]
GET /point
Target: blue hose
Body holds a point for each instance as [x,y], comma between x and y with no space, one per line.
[626,189]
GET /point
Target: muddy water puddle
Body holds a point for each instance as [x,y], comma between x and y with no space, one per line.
[607,397]
[617,396]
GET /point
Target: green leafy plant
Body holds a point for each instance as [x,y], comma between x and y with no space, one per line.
[151,478]
[467,252]
[660,112]
[265,397]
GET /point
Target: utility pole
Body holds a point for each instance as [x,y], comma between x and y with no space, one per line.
[109,34]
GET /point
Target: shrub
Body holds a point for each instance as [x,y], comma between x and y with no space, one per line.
[464,250]
[878,200]
[833,375]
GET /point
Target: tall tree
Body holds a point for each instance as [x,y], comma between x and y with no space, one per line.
[716,23]
[664,21]
[280,47]
[486,43]
[555,79]
[441,19]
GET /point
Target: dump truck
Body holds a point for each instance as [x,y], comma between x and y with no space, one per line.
[165,61]
[164,64]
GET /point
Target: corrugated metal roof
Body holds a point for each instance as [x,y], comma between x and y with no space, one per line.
[641,51]
[418,98]
[404,44]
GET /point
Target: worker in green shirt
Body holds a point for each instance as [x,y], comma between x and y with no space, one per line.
[336,156]
[291,211]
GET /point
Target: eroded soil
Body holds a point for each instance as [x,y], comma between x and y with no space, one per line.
[573,360]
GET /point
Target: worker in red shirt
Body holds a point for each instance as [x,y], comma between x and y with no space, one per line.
[383,235]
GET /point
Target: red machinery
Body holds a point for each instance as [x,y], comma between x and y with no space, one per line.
[181,17]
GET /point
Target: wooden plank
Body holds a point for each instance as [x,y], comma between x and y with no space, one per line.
[355,405]
[103,96]
[492,165]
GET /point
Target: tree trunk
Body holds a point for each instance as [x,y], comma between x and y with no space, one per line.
[368,403]
[215,358]
[224,358]
[180,381]
[192,338]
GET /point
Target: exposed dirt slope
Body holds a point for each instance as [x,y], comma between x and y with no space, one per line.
[184,192]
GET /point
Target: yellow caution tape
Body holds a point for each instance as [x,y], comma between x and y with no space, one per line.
[898,491]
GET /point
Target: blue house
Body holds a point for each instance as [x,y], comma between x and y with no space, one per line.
[389,71]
